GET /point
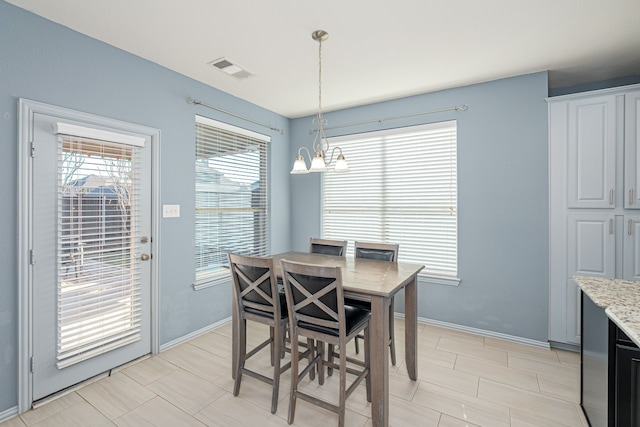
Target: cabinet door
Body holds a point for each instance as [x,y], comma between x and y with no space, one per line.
[591,245]
[631,260]
[632,151]
[627,386]
[592,153]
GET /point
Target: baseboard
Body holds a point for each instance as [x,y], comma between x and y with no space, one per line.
[194,334]
[426,321]
[481,332]
[9,413]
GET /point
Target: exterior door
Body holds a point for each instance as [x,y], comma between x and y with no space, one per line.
[90,251]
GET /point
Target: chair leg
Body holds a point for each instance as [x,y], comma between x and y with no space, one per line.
[312,354]
[294,379]
[392,341]
[278,335]
[320,367]
[343,388]
[241,352]
[357,345]
[271,346]
[331,350]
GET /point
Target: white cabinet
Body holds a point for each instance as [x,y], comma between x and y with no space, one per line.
[592,245]
[632,151]
[594,177]
[631,251]
[592,152]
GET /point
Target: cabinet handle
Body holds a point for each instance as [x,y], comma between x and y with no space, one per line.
[611,226]
[631,196]
[611,196]
[629,227]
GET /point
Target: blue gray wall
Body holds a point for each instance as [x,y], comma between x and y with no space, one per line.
[502,201]
[46,62]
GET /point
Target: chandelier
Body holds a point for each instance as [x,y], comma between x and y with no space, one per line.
[321,146]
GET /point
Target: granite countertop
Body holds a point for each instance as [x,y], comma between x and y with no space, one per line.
[619,298]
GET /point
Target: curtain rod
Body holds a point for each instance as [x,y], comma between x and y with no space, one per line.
[196,102]
[465,107]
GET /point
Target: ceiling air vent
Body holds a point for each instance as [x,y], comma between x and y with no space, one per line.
[226,65]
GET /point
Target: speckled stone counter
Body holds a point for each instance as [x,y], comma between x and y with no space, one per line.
[619,298]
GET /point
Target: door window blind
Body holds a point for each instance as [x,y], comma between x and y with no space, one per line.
[98,279]
[231,196]
[402,189]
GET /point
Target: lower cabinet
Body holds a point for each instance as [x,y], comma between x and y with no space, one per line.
[609,371]
[627,411]
[597,395]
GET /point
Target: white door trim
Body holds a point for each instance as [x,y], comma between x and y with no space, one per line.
[26,110]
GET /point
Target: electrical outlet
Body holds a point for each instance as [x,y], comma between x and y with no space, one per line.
[171,211]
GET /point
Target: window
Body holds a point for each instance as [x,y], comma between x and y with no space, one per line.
[231,196]
[99,283]
[401,189]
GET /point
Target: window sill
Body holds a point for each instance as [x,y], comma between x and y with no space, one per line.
[213,280]
[439,280]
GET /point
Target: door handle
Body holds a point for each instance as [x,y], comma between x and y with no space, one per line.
[629,227]
[611,196]
[145,257]
[631,196]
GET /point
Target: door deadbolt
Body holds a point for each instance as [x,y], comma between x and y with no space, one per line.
[144,239]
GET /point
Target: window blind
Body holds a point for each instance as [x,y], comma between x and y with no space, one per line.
[231,196]
[99,287]
[402,189]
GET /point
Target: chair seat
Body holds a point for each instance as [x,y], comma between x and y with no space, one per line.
[365,305]
[355,317]
[283,308]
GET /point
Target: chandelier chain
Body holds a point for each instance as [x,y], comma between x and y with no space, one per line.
[319,79]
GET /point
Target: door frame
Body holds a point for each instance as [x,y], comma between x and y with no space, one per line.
[26,110]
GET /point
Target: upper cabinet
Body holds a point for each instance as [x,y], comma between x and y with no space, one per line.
[632,150]
[591,167]
[631,251]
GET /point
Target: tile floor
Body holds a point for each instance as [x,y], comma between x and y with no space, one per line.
[464,380]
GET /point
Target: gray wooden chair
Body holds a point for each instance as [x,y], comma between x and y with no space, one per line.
[317,311]
[381,252]
[256,298]
[328,247]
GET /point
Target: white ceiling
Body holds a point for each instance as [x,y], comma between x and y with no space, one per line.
[377,49]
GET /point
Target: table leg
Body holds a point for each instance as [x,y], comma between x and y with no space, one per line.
[379,360]
[411,327]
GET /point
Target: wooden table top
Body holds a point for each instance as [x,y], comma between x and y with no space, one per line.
[363,276]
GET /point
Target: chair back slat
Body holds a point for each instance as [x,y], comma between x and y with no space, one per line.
[328,247]
[254,284]
[377,251]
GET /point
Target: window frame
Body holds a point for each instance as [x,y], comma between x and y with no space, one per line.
[220,276]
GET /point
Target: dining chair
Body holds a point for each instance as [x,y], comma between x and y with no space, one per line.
[256,298]
[328,247]
[317,311]
[381,252]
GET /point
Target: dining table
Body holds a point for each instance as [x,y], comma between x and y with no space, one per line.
[376,282]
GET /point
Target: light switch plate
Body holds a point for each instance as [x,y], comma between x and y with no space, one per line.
[171,211]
